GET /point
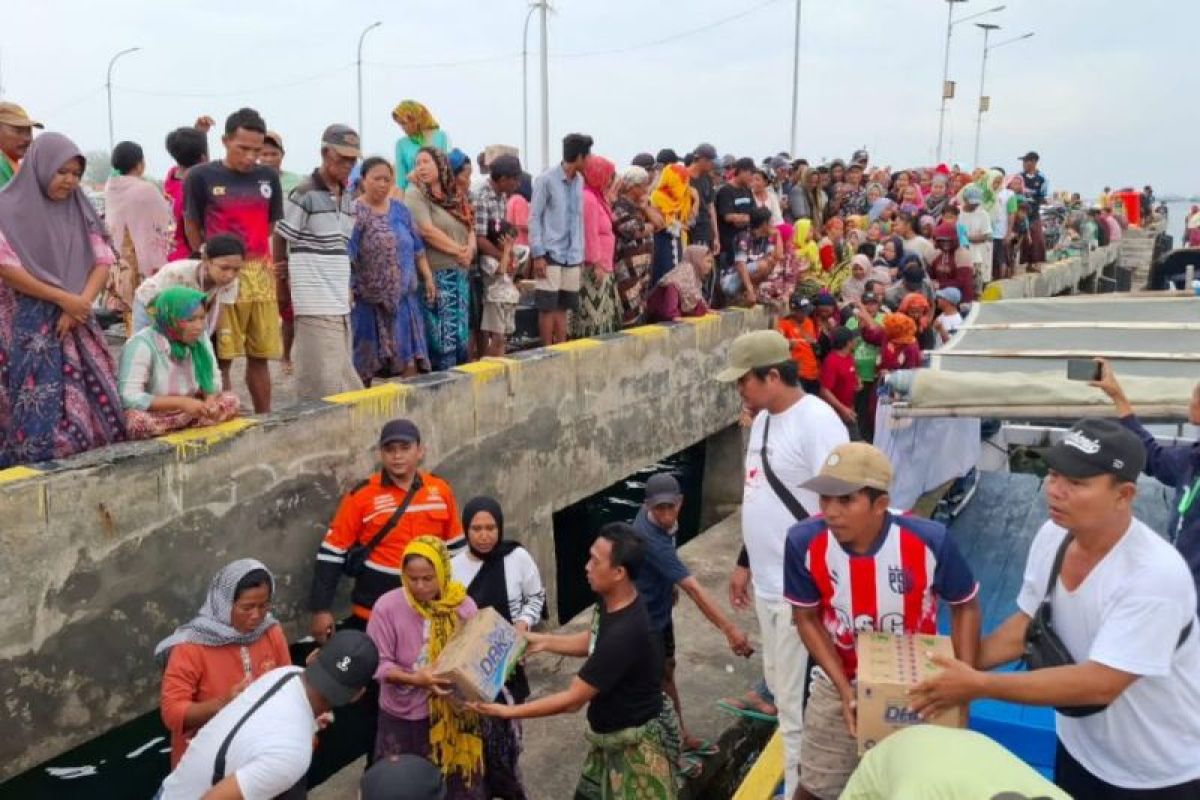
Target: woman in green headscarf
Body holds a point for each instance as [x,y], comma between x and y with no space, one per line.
[420,130]
[168,377]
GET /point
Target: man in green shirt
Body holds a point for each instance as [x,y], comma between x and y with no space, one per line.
[16,134]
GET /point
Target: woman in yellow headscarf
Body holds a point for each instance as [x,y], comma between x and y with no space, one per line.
[804,248]
[420,130]
[411,626]
[673,198]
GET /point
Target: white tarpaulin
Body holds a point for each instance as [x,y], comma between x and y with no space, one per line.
[925,453]
[1009,359]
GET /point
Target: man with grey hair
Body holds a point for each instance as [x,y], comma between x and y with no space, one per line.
[311,254]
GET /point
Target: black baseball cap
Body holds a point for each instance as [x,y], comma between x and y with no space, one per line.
[406,777]
[662,489]
[1098,447]
[643,160]
[705,150]
[666,156]
[842,337]
[345,665]
[1031,156]
[870,297]
[400,430]
[800,303]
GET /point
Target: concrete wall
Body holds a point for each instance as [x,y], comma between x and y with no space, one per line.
[1066,276]
[102,555]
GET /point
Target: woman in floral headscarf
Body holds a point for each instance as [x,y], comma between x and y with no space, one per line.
[420,130]
[411,626]
[168,379]
[446,222]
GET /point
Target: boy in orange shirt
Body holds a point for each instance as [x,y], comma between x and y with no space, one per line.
[801,332]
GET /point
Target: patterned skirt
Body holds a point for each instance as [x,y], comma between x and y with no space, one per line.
[386,343]
[148,424]
[58,396]
[599,310]
[631,764]
[447,326]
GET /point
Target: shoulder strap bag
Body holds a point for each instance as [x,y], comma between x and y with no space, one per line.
[357,555]
[782,492]
[219,765]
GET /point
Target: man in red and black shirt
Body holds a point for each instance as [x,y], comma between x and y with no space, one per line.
[362,514]
[236,195]
[861,567]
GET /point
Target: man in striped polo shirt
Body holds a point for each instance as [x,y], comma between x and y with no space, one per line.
[860,566]
[311,250]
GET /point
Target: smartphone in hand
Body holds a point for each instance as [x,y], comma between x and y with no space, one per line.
[1083,369]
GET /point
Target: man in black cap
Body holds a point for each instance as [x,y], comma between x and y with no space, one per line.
[1035,191]
[643,160]
[1106,617]
[704,229]
[260,744]
[657,522]
[666,157]
[366,539]
[406,777]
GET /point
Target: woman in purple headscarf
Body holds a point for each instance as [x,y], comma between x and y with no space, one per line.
[58,393]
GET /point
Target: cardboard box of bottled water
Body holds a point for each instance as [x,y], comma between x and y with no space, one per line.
[480,656]
[888,666]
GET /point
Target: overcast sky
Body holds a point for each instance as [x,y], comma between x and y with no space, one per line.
[1103,90]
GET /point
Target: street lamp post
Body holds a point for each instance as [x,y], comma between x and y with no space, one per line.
[795,80]
[544,6]
[362,36]
[950,23]
[984,101]
[525,85]
[108,87]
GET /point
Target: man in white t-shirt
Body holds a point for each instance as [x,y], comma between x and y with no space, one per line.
[266,732]
[1123,605]
[798,431]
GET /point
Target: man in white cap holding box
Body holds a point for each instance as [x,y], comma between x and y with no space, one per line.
[792,434]
[16,134]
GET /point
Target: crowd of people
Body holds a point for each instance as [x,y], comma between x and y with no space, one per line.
[373,269]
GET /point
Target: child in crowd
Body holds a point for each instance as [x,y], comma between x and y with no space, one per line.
[500,293]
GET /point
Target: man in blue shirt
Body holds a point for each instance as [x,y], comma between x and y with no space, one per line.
[1177,467]
[662,571]
[556,238]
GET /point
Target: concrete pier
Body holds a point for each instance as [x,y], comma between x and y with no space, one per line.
[105,553]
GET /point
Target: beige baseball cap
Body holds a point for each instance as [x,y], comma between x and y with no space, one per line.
[850,467]
[12,114]
[752,350]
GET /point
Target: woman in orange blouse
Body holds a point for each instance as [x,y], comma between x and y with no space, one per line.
[216,655]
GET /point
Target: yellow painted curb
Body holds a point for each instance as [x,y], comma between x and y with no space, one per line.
[707,319]
[648,331]
[18,474]
[488,368]
[383,400]
[764,777]
[193,439]
[574,345]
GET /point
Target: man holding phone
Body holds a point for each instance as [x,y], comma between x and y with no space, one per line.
[1177,466]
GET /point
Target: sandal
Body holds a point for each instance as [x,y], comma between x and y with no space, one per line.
[705,749]
[751,706]
[690,766]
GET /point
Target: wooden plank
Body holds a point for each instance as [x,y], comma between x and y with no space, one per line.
[1132,355]
[1073,325]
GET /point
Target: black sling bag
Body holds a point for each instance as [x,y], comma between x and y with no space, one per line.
[357,555]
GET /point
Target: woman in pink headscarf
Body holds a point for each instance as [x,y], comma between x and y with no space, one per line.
[598,309]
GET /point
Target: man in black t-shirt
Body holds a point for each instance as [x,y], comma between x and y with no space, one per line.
[734,201]
[621,681]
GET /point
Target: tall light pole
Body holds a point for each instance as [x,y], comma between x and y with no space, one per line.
[108,87]
[362,36]
[544,7]
[795,80]
[950,23]
[525,86]
[984,101]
